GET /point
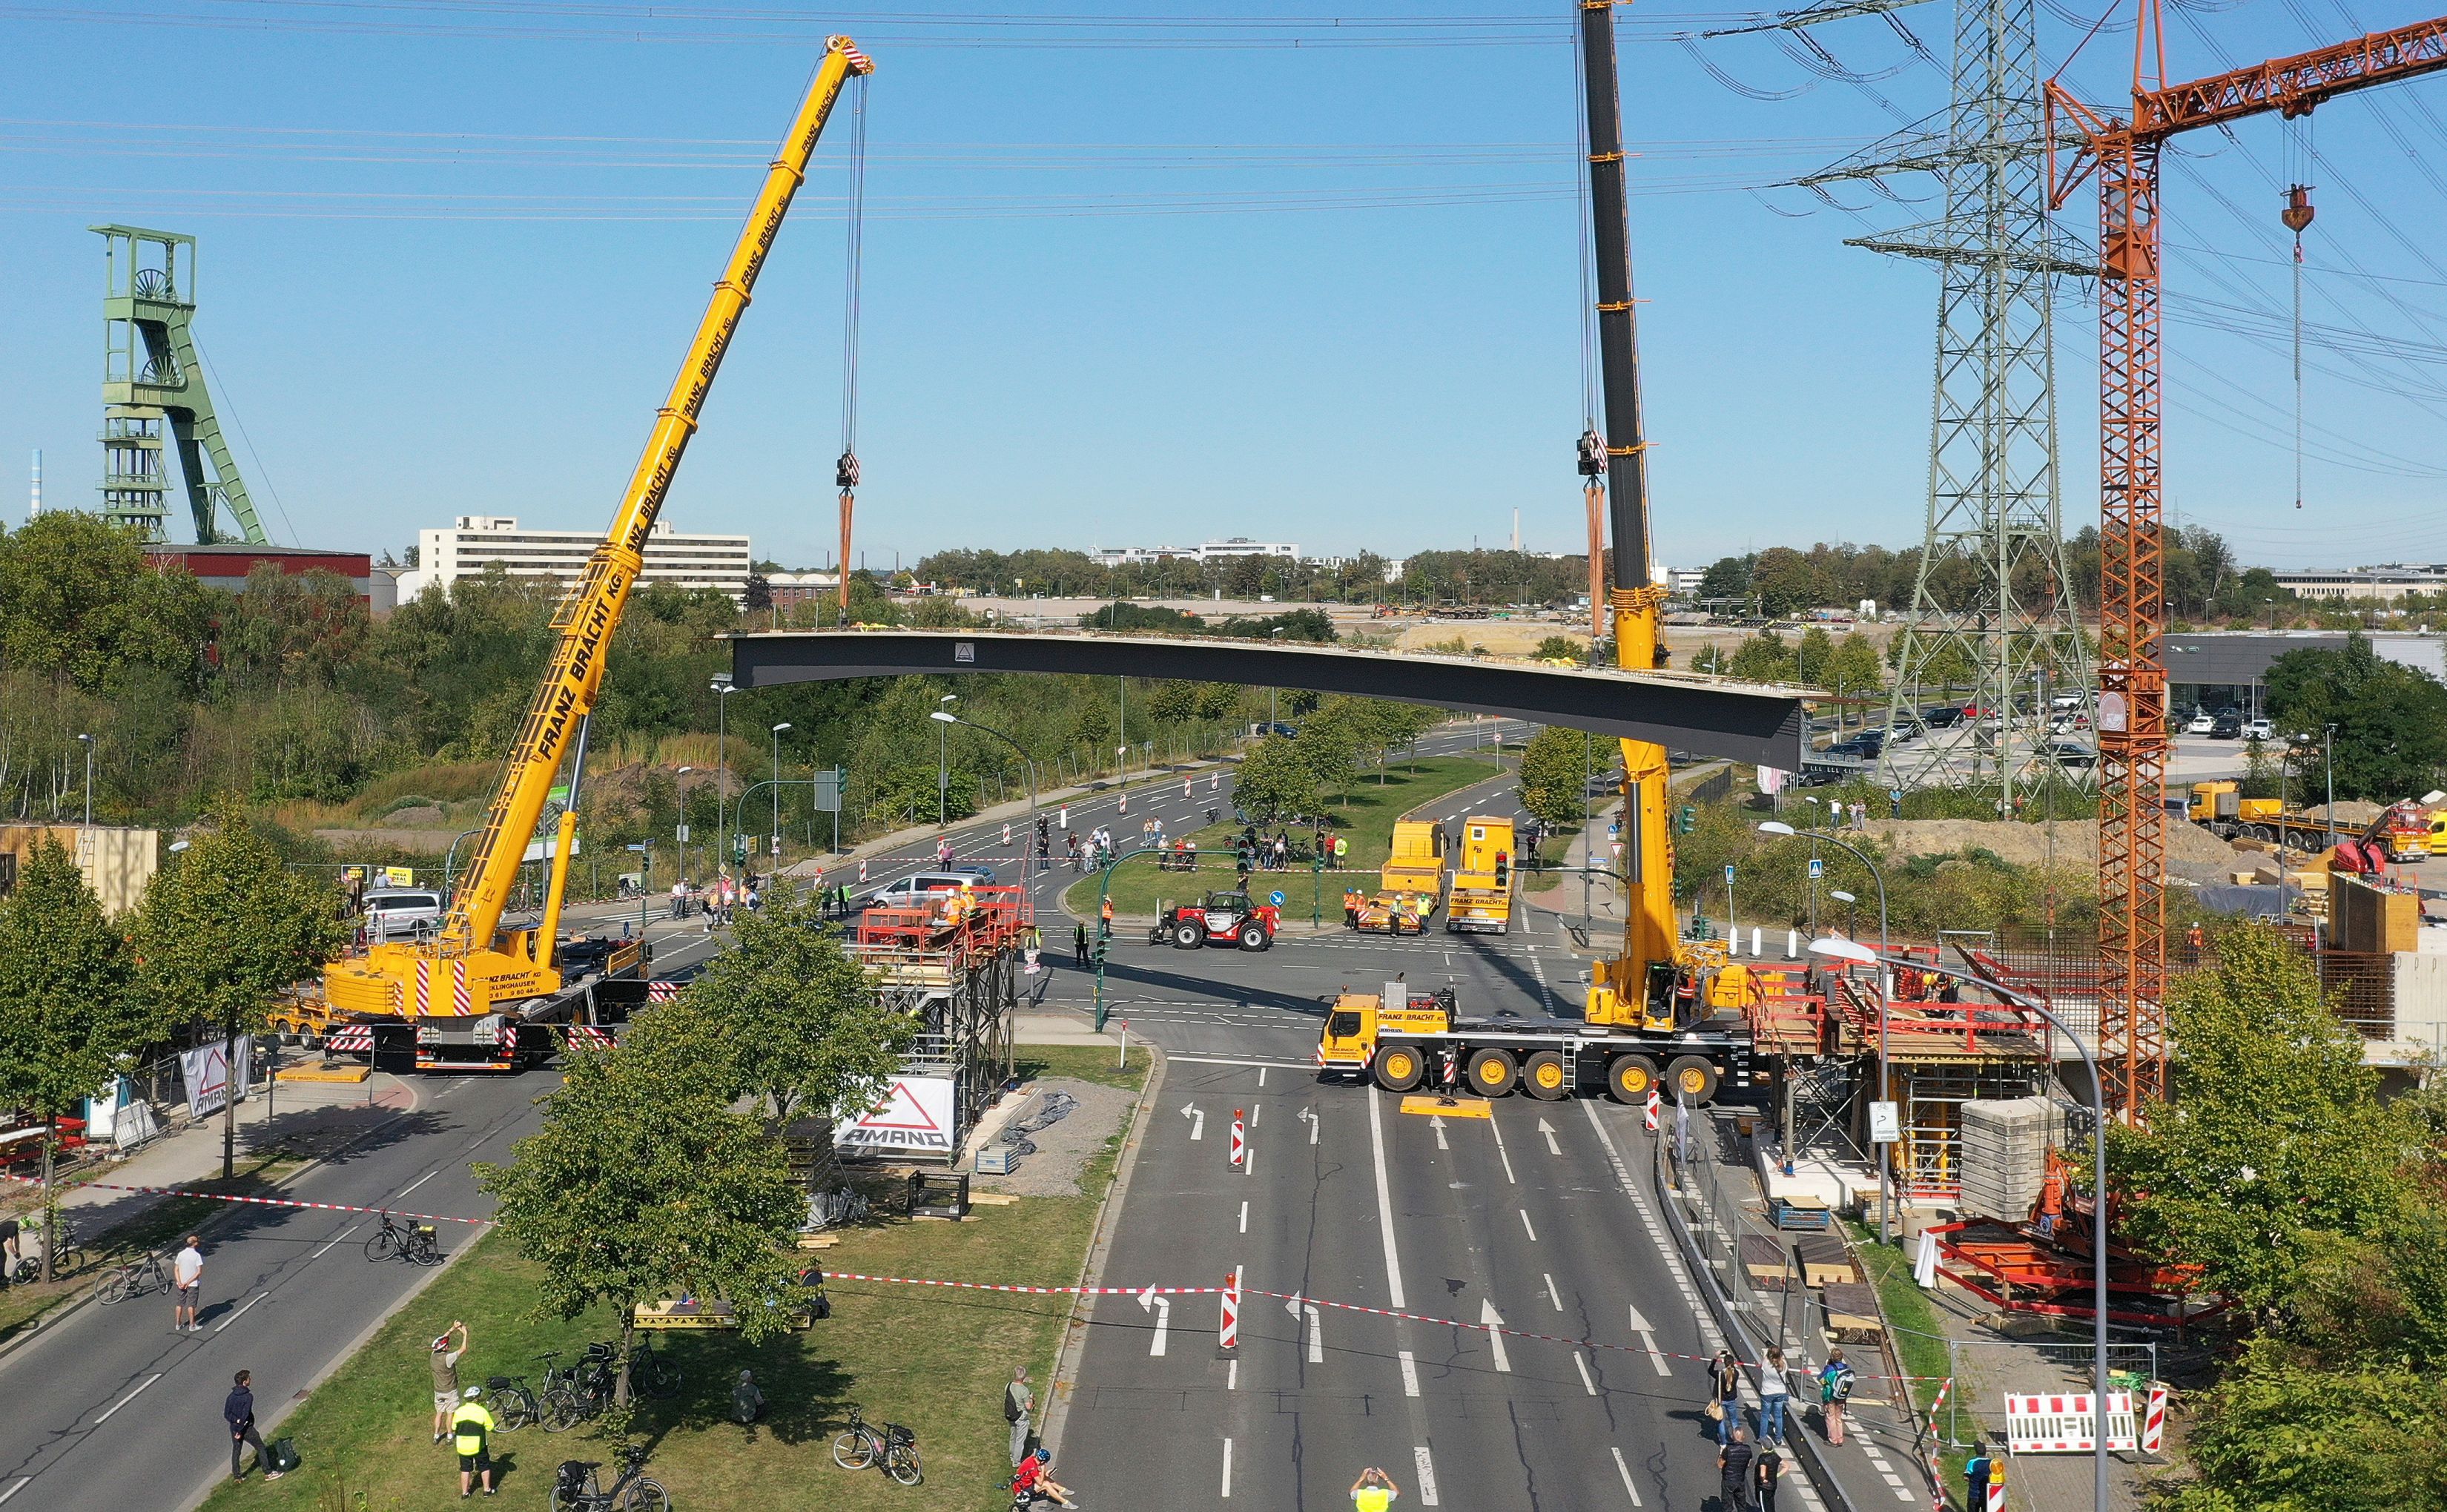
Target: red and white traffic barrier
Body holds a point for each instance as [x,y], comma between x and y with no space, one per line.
[351,1039]
[1240,1142]
[2153,1419]
[1991,1498]
[262,1201]
[1229,1335]
[2065,1421]
[1185,786]
[1648,1114]
[661,991]
[586,1036]
[861,870]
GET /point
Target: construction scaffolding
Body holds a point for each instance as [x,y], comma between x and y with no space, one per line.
[952,965]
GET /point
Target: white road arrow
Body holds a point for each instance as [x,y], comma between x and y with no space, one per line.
[1315,1327]
[1647,1332]
[1548,1130]
[1162,1307]
[1436,1121]
[1197,1117]
[1308,1116]
[1494,1340]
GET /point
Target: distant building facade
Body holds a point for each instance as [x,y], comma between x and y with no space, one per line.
[2380,584]
[1211,551]
[479,543]
[227,566]
[790,590]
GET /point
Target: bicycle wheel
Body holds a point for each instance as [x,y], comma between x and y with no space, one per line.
[655,1376]
[853,1450]
[113,1288]
[518,1409]
[900,1461]
[421,1250]
[563,1409]
[586,1497]
[70,1261]
[645,1493]
[383,1245]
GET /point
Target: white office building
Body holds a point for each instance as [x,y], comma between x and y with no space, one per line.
[1211,551]
[479,543]
[2380,584]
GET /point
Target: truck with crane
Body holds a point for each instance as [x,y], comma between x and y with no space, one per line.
[2402,831]
[476,992]
[1411,884]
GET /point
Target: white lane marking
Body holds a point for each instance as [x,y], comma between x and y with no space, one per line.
[124,1400]
[1500,1153]
[1232,1377]
[1244,1217]
[1647,1332]
[1315,1327]
[22,1484]
[1626,1478]
[1436,1121]
[1249,1157]
[1197,1117]
[1217,1060]
[1262,1081]
[1524,1224]
[1545,995]
[1227,1469]
[240,1313]
[1256,1108]
[1385,1201]
[1486,1315]
[1310,1114]
[1410,1374]
[1427,1475]
[420,1181]
[1553,1295]
[1548,1130]
[1586,1380]
[1162,1307]
[333,1239]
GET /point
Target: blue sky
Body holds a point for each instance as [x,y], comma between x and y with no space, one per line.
[1237,272]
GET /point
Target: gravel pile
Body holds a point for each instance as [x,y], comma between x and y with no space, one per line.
[2191,851]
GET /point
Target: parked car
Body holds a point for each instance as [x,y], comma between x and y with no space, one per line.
[916,888]
[1943,717]
[2201,722]
[2259,729]
[2227,726]
[400,913]
[2072,753]
[1909,730]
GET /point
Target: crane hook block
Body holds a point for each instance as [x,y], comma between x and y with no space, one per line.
[1593,454]
[846,471]
[2299,209]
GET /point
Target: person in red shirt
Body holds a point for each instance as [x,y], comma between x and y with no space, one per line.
[1033,1482]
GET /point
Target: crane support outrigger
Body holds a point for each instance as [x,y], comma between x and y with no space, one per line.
[467,984]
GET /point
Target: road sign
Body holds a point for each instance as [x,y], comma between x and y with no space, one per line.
[1818,868]
[1276,897]
[1884,1127]
[828,791]
[683,835]
[1729,874]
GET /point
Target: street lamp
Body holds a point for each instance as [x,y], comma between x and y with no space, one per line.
[1842,897]
[680,836]
[1028,841]
[87,740]
[777,792]
[2327,763]
[942,765]
[722,688]
[1848,950]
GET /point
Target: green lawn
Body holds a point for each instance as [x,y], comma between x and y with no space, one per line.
[1365,818]
[1918,1333]
[935,1360]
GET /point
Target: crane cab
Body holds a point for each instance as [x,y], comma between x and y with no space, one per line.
[1349,1044]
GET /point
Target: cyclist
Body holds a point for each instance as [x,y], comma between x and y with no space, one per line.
[446,1378]
[471,1431]
[1034,1481]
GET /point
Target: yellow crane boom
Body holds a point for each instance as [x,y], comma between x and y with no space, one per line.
[486,966]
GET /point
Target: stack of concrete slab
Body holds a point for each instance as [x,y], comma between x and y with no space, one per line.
[2005,1145]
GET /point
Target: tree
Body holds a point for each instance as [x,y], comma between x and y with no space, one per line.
[792,1020]
[1761,658]
[643,1184]
[2391,740]
[1786,582]
[227,929]
[1331,742]
[1561,648]
[68,1020]
[1813,657]
[1275,780]
[1554,774]
[1729,577]
[1854,667]
[78,601]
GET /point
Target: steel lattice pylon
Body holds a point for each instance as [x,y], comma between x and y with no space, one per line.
[1992,605]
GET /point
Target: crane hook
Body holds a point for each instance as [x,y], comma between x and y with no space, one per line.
[1593,457]
[2298,210]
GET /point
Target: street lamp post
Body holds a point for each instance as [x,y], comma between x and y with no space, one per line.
[1852,951]
[1028,841]
[722,688]
[2327,765]
[87,740]
[1886,992]
[679,836]
[777,792]
[942,764]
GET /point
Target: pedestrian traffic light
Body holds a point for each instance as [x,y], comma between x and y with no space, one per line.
[1686,821]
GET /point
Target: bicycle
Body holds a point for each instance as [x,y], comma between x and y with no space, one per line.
[580,1393]
[575,1490]
[893,1450]
[515,1403]
[651,1373]
[415,1243]
[134,1278]
[72,1258]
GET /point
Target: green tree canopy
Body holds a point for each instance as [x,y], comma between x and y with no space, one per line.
[1554,774]
[79,601]
[2391,740]
[1275,780]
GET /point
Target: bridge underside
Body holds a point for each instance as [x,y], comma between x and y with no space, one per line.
[1762,725]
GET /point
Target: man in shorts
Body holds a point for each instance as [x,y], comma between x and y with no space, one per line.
[446,1378]
[471,1433]
[187,1285]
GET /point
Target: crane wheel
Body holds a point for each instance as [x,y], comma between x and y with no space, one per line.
[1630,1079]
[1399,1069]
[1547,1077]
[1492,1073]
[1691,1080]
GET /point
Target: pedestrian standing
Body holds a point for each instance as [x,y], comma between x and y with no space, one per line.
[1733,1468]
[1017,1400]
[471,1434]
[1079,944]
[1766,1471]
[446,1378]
[1775,1396]
[1104,916]
[1834,1389]
[1725,1388]
[237,1411]
[746,1402]
[187,1284]
[1373,1491]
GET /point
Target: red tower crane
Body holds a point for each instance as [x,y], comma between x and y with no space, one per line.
[2131,664]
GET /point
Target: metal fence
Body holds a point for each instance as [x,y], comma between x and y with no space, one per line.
[1983,1370]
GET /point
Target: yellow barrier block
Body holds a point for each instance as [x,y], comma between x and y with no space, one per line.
[323,1073]
[1447,1107]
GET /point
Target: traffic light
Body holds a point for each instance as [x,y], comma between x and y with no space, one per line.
[1686,819]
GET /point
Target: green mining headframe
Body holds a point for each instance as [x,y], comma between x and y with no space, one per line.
[151,374]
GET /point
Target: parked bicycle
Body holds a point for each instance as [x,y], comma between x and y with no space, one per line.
[578,1394]
[134,1278]
[514,1403]
[893,1450]
[652,1374]
[72,1258]
[574,1488]
[414,1242]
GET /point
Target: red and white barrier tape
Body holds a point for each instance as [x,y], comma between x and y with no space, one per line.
[256,1202]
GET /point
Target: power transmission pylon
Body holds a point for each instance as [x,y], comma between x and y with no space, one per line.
[1992,608]
[151,374]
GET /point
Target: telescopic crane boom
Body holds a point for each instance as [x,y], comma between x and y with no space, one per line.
[471,966]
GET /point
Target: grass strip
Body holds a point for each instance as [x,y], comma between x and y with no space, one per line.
[935,1360]
[1919,1335]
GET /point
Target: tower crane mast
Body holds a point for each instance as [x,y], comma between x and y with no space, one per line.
[2123,154]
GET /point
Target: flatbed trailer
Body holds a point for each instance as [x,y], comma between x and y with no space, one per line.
[1425,1044]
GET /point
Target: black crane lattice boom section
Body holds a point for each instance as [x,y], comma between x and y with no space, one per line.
[1761,726]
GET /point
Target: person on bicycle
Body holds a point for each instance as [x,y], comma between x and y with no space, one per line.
[471,1432]
[446,1378]
[1034,1481]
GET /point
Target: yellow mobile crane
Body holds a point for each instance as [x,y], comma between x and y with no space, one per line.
[1665,1013]
[464,987]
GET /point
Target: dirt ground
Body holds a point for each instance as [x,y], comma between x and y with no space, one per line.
[2192,852]
[1064,1147]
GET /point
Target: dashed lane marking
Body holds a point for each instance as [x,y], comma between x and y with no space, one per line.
[1409,1373]
[1627,1485]
[124,1400]
[1427,1475]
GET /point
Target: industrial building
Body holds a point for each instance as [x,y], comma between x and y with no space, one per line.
[2382,584]
[1211,551]
[225,565]
[2227,668]
[477,543]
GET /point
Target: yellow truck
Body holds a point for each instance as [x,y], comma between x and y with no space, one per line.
[1411,885]
[2403,831]
[1484,878]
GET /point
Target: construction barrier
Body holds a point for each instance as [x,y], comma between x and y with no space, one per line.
[1229,1335]
[2063,1423]
[351,1039]
[661,991]
[1648,1116]
[256,1202]
[2153,1419]
[1240,1142]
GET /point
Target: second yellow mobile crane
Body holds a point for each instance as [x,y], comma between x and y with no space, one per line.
[466,989]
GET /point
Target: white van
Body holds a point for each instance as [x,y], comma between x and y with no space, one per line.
[400,913]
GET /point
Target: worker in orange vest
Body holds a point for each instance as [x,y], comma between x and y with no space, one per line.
[1105,914]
